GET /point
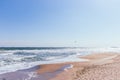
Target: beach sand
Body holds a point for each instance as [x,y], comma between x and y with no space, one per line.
[101,66]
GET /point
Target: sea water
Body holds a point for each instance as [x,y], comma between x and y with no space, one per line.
[17,58]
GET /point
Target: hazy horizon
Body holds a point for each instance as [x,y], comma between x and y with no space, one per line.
[63,23]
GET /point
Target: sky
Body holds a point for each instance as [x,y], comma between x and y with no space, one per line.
[60,23]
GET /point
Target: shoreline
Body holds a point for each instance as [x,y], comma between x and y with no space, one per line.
[100,67]
[70,70]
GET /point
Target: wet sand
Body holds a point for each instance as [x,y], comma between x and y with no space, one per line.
[26,74]
[41,72]
[103,66]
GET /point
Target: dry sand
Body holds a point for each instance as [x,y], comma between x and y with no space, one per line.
[103,66]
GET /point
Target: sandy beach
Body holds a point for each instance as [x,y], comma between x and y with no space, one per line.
[59,40]
[101,66]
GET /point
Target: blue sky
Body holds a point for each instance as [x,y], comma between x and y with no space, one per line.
[87,23]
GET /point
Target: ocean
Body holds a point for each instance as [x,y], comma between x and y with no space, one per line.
[18,58]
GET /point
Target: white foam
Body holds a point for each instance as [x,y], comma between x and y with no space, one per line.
[31,75]
[69,67]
